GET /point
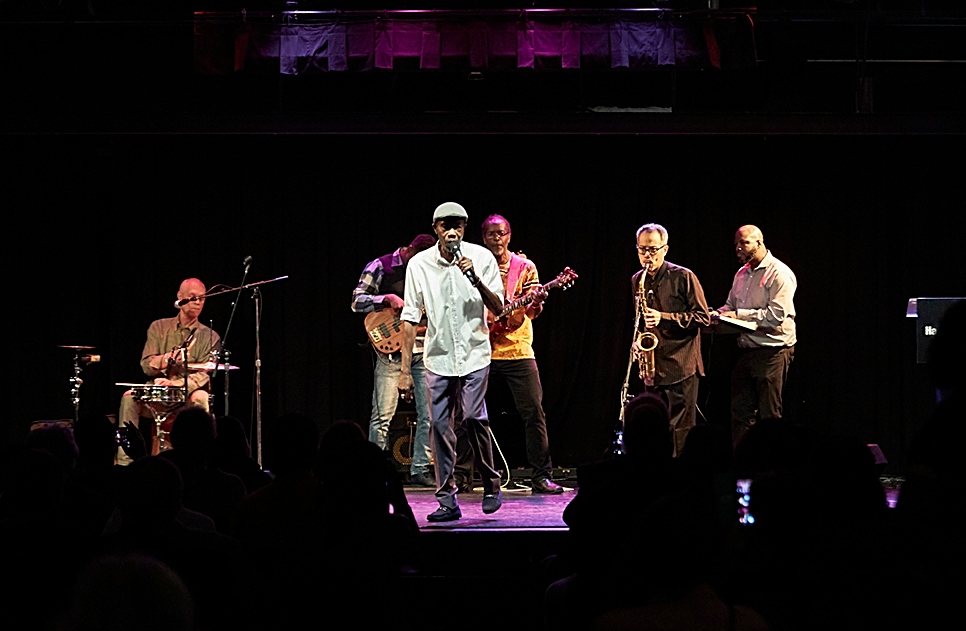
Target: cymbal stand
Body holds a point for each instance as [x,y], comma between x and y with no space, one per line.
[76,382]
[75,385]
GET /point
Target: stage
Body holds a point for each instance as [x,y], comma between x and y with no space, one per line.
[504,556]
[521,510]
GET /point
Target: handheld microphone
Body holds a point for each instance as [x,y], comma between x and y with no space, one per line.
[454,248]
[247,261]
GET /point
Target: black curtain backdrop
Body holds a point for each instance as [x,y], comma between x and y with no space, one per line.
[101,230]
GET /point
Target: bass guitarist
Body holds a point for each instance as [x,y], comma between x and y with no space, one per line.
[379,292]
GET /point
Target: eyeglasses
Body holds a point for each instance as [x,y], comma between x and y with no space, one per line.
[499,235]
[652,250]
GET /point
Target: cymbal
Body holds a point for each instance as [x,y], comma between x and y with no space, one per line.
[146,385]
[77,348]
[210,366]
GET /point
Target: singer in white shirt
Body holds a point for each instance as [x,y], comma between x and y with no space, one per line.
[454,284]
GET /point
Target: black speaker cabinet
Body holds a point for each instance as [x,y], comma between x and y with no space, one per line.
[399,439]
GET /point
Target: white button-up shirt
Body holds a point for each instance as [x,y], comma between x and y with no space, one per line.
[764,295]
[457,333]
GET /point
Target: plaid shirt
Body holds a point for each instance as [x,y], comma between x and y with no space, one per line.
[366,297]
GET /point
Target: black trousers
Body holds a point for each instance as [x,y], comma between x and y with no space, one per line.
[523,380]
[682,403]
[756,386]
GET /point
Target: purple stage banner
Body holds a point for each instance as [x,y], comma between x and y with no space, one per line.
[544,40]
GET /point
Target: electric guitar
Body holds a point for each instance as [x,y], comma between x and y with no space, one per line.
[509,321]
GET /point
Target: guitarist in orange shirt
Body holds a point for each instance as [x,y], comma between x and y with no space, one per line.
[511,339]
[379,294]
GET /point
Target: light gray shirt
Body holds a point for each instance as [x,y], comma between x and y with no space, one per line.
[457,333]
[764,295]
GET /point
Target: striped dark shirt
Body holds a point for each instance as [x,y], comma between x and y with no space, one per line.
[678,295]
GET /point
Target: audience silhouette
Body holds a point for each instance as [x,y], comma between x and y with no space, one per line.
[330,532]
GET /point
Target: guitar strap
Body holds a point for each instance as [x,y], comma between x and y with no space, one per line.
[517,265]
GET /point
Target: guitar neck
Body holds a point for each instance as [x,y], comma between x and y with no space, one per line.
[526,300]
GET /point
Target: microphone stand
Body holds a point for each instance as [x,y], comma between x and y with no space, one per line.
[617,447]
[184,367]
[225,353]
[257,297]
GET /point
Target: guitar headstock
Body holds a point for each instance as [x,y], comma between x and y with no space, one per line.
[565,279]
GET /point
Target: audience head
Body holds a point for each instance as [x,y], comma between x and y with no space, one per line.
[96,440]
[33,481]
[707,450]
[296,447]
[58,439]
[117,593]
[193,435]
[151,491]
[231,443]
[355,482]
[647,430]
[337,439]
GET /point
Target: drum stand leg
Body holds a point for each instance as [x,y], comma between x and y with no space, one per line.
[158,442]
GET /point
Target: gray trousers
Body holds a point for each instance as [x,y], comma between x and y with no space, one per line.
[444,394]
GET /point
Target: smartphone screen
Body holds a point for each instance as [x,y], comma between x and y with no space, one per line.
[743,492]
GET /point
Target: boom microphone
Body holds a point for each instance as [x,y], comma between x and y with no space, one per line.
[180,303]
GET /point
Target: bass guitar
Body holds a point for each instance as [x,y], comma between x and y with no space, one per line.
[385,330]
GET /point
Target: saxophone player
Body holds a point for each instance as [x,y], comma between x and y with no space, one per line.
[673,310]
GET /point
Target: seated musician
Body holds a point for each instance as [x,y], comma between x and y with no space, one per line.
[162,360]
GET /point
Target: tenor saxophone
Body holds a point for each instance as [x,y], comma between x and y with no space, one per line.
[646,342]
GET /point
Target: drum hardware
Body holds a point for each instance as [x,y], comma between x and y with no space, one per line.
[76,382]
[209,366]
[165,395]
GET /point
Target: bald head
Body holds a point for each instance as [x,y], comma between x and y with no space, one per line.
[750,232]
[191,288]
[750,245]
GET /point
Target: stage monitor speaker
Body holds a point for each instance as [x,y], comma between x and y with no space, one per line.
[399,439]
